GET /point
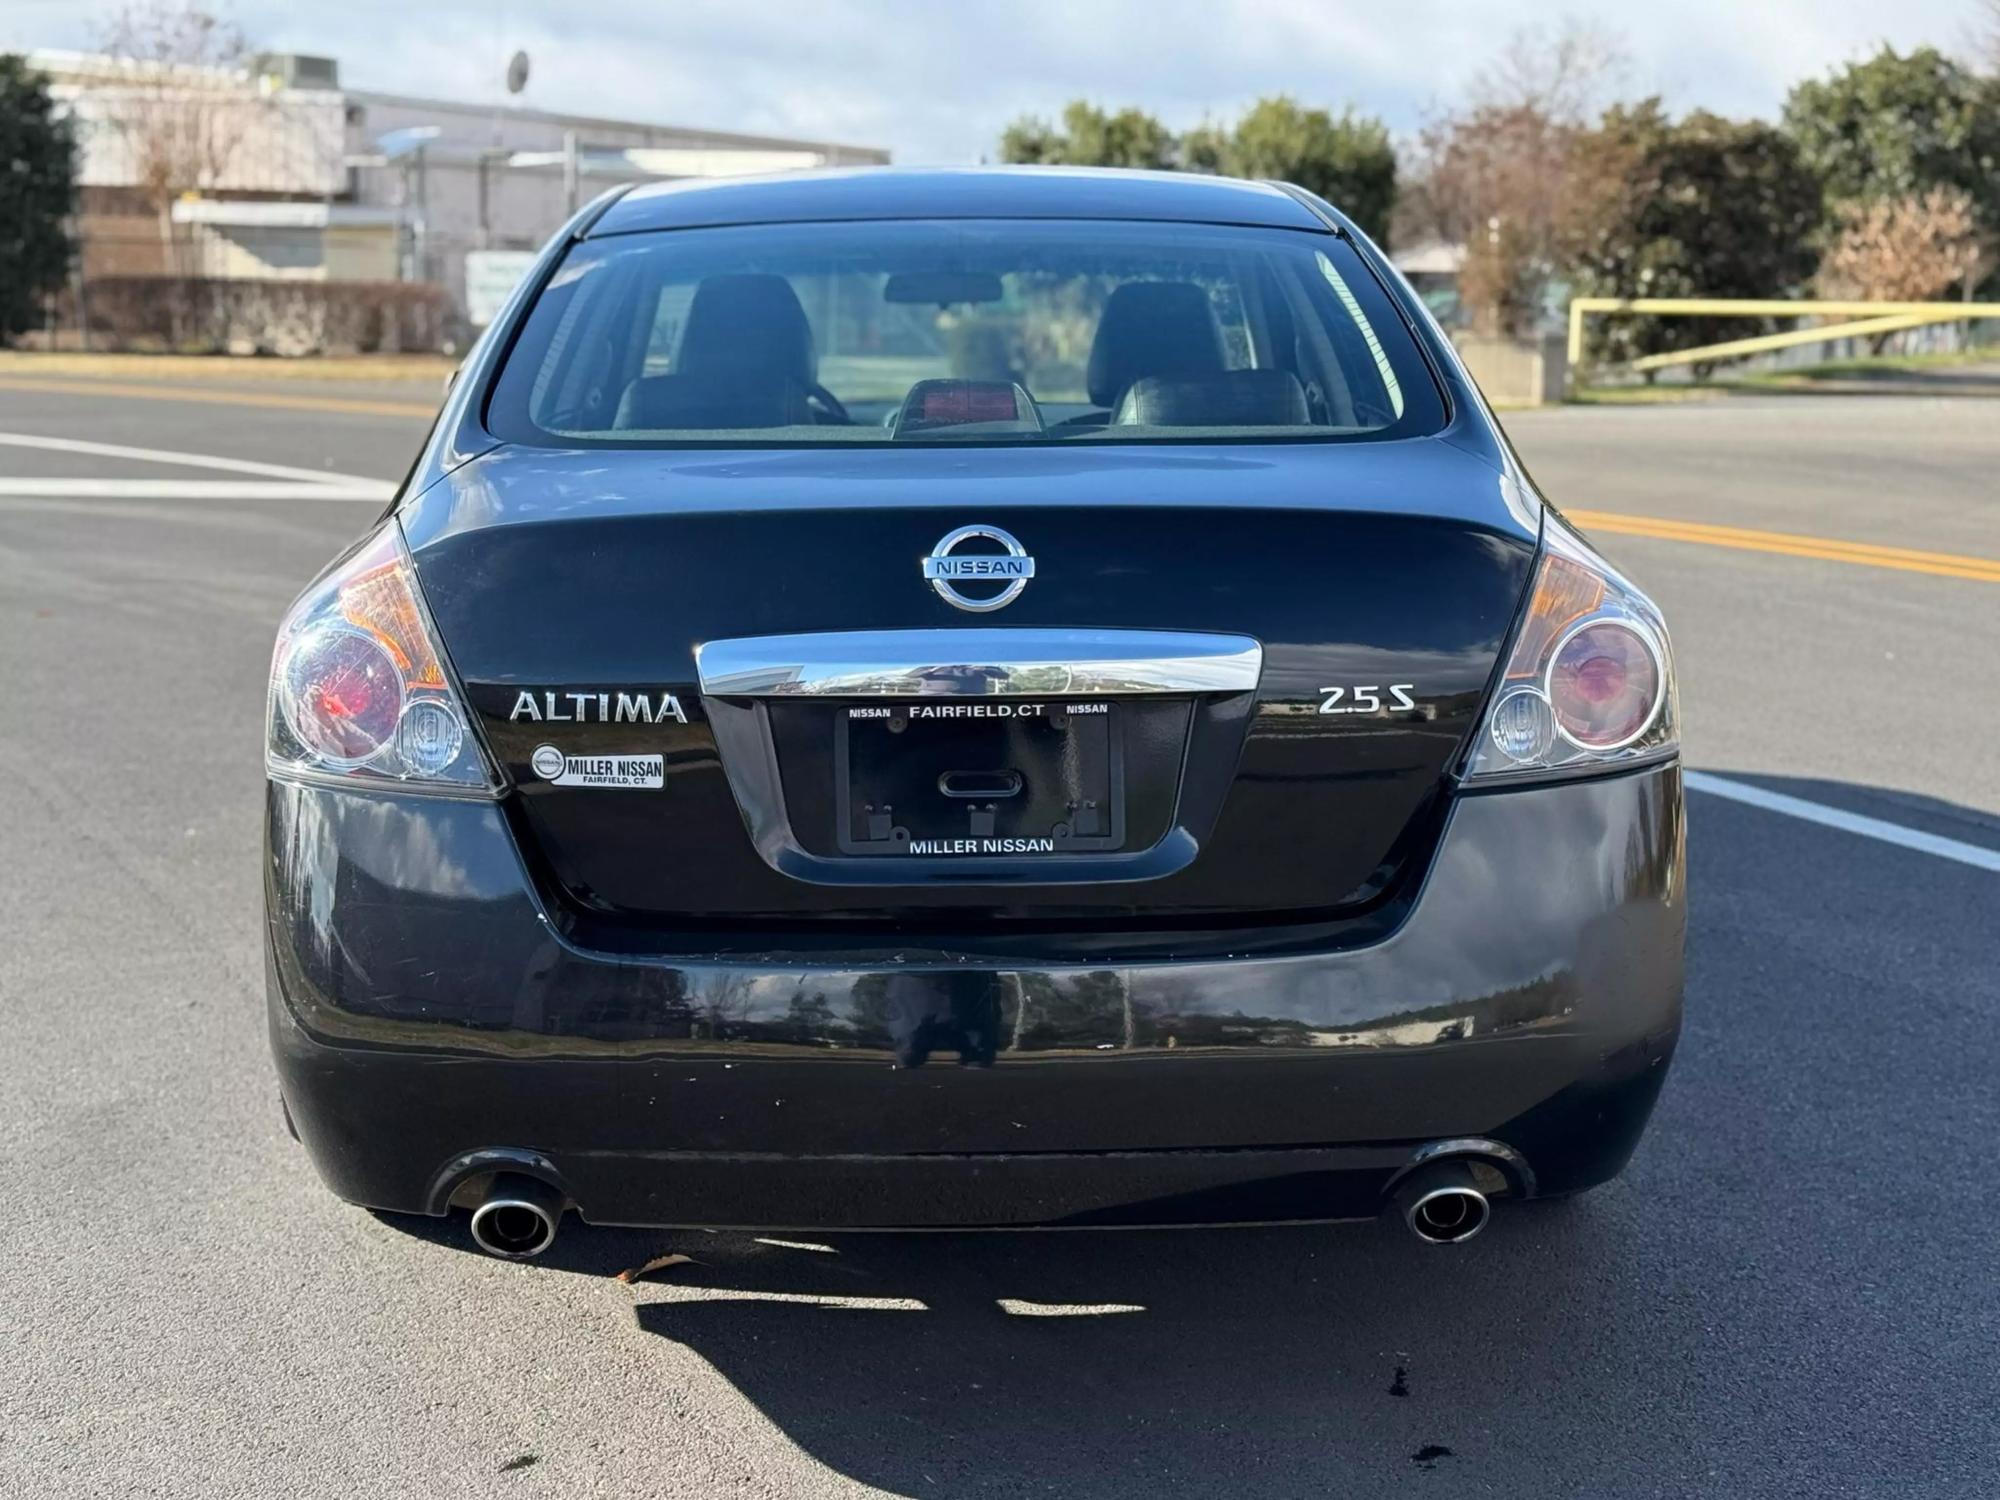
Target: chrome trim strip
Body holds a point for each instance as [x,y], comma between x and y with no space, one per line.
[978,664]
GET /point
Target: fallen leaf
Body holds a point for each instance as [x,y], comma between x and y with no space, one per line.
[657,1263]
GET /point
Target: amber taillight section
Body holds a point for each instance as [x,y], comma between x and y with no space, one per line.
[379,601]
[1565,592]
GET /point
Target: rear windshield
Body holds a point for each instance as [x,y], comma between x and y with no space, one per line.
[967,331]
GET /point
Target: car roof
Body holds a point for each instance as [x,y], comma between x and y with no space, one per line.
[954,193]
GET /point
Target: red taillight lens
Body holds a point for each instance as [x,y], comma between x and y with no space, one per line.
[1605,684]
[1589,683]
[342,694]
[359,690]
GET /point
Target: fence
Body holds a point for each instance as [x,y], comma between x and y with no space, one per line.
[1864,320]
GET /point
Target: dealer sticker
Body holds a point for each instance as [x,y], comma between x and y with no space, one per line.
[551,764]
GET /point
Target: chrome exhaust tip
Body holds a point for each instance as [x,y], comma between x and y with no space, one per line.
[1442,1202]
[517,1218]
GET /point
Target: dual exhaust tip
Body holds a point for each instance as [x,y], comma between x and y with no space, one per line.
[1442,1202]
[517,1217]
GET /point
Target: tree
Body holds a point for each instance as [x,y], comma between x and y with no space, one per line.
[1700,207]
[1089,137]
[1910,249]
[1348,161]
[186,101]
[37,194]
[1497,180]
[1893,126]
[1497,176]
[1565,74]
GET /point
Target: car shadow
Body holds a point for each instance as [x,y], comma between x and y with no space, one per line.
[1746,1310]
[1273,1361]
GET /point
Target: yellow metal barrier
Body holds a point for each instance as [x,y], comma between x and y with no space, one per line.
[1733,347]
[1877,317]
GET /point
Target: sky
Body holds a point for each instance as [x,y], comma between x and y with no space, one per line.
[936,81]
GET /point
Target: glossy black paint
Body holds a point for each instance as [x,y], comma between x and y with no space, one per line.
[955,193]
[1344,585]
[1356,960]
[460,435]
[1367,563]
[425,1009]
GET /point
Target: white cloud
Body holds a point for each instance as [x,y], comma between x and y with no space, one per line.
[937,81]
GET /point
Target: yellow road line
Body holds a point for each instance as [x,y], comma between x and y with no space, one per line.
[1793,544]
[1781,543]
[134,391]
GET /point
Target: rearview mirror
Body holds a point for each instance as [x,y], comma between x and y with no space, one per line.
[942,288]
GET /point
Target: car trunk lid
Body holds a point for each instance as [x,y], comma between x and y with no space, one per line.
[1330,616]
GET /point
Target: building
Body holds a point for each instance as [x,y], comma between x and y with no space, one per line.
[1432,268]
[275,173]
[500,178]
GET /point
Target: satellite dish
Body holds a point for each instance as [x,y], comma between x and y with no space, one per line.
[517,72]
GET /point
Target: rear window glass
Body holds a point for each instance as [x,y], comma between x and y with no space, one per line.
[962,331]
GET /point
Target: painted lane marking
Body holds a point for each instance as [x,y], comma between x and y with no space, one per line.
[374,492]
[175,456]
[1793,544]
[87,387]
[1832,817]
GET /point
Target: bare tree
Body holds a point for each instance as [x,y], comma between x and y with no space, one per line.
[1567,75]
[1986,38]
[1909,249]
[185,100]
[1493,180]
[726,1002]
[1499,177]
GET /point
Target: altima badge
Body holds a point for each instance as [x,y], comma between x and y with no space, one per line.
[1013,568]
[603,708]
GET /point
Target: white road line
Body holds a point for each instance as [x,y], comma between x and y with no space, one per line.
[1847,822]
[374,491]
[170,456]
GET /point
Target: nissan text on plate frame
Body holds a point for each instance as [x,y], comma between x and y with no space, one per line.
[995,698]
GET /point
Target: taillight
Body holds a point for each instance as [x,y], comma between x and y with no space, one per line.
[1590,681]
[359,690]
[1605,684]
[341,694]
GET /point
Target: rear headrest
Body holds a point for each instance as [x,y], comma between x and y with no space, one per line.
[747,325]
[1163,328]
[659,401]
[1240,398]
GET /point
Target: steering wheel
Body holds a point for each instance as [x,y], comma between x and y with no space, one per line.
[830,403]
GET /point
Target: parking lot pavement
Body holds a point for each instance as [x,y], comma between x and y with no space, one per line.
[351,428]
[1789,1292]
[1910,471]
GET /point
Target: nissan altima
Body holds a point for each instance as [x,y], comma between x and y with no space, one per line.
[992,698]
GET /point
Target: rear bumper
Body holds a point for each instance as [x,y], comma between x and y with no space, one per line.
[429,1024]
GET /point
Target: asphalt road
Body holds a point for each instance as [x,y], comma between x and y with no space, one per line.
[1792,1291]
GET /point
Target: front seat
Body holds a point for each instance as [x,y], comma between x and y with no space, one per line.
[746,360]
[1160,329]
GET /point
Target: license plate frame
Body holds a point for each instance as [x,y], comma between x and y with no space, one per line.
[895,795]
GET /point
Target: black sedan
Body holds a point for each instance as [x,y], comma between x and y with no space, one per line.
[994,698]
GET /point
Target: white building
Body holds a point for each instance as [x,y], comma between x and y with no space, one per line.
[277,173]
[495,177]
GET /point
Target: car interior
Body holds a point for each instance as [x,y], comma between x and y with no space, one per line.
[747,360]
[1248,343]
